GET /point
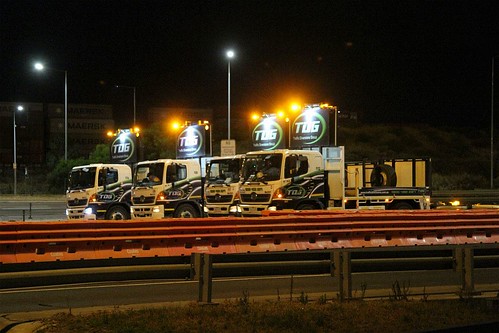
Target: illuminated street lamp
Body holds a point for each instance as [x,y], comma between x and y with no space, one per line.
[230,54]
[14,165]
[492,129]
[134,100]
[40,67]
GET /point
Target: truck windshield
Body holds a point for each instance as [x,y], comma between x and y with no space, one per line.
[148,174]
[262,167]
[224,171]
[82,178]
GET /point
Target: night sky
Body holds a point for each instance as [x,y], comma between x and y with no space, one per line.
[389,61]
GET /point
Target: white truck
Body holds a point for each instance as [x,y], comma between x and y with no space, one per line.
[97,182]
[166,188]
[222,185]
[307,179]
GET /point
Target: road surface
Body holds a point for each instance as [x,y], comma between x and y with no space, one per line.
[36,210]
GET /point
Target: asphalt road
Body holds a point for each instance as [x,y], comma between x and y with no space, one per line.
[37,210]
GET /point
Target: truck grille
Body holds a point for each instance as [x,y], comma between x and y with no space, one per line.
[253,197]
[77,202]
[217,198]
[142,200]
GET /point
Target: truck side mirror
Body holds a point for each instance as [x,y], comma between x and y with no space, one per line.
[171,173]
[102,178]
[290,166]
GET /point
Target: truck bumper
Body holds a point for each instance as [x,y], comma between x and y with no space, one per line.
[94,212]
[75,213]
[149,212]
[252,210]
[222,210]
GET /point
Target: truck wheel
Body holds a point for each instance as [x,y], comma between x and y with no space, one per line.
[117,213]
[306,207]
[186,211]
[383,175]
[401,206]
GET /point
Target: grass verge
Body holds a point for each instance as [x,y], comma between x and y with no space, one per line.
[280,316]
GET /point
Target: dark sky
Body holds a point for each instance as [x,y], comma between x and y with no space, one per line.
[389,61]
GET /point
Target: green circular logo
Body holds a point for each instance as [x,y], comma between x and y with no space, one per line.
[309,127]
[190,141]
[267,135]
[122,148]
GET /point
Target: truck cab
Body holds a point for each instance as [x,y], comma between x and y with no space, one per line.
[166,188]
[87,182]
[281,179]
[222,185]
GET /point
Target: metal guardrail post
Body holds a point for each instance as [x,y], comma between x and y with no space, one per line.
[203,267]
[465,268]
[342,268]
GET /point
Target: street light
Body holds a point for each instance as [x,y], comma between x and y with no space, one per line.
[492,129]
[230,55]
[40,67]
[14,165]
[134,104]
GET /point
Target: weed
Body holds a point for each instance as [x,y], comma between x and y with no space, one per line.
[363,288]
[244,301]
[424,297]
[400,293]
[303,298]
[322,299]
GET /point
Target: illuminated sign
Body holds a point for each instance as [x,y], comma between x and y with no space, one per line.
[194,141]
[268,135]
[123,148]
[310,128]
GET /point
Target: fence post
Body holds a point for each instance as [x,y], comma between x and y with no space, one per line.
[465,268]
[342,268]
[203,263]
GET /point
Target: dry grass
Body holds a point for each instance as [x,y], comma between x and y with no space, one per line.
[246,316]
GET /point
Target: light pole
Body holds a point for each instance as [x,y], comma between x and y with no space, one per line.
[230,55]
[40,67]
[492,128]
[134,101]
[14,165]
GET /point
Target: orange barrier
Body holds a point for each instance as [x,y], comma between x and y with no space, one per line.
[22,242]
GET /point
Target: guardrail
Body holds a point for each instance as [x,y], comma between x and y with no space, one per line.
[341,262]
[23,242]
[466,197]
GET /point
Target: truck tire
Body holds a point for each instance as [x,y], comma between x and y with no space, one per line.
[186,211]
[306,206]
[383,175]
[401,206]
[117,213]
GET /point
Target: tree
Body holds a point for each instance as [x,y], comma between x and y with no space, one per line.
[57,177]
[158,142]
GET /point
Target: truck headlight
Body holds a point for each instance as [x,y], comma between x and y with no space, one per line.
[88,211]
